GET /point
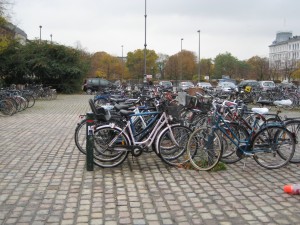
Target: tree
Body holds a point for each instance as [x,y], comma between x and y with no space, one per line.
[290,66]
[172,68]
[135,63]
[181,66]
[225,64]
[4,9]
[296,74]
[161,64]
[259,67]
[59,66]
[189,65]
[107,66]
[242,70]
[206,67]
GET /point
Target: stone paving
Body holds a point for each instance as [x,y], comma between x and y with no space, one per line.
[43,180]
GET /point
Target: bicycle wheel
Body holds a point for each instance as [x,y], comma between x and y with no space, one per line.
[229,155]
[294,127]
[273,147]
[172,144]
[80,136]
[80,133]
[6,108]
[204,149]
[104,155]
[200,120]
[30,99]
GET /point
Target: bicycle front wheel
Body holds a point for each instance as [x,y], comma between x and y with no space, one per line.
[273,147]
[204,149]
[172,145]
[294,127]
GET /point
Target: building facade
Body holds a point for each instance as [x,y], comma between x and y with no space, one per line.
[284,52]
[12,31]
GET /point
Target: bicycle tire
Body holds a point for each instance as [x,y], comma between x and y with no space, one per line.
[80,136]
[173,154]
[6,108]
[229,155]
[103,155]
[294,127]
[30,99]
[266,147]
[80,133]
[204,151]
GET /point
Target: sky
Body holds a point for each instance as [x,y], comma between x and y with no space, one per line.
[242,28]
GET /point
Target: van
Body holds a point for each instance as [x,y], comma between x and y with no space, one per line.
[96,84]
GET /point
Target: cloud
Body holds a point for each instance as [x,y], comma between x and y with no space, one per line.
[243,28]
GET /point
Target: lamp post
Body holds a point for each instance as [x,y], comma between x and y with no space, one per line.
[181,59]
[145,45]
[40,33]
[122,73]
[199,75]
[51,38]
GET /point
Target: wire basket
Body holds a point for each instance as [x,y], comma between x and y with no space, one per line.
[174,112]
[203,103]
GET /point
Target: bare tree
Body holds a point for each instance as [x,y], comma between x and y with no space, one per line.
[161,64]
[290,66]
[4,7]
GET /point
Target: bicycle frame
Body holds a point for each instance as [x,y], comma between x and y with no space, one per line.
[161,122]
[235,140]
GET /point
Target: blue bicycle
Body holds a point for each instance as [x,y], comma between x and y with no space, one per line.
[272,147]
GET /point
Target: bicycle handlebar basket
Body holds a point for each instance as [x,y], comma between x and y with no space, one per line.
[202,103]
[174,113]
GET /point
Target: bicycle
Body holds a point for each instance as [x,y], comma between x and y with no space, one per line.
[113,144]
[205,145]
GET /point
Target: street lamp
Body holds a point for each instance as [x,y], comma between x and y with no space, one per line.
[145,45]
[181,59]
[199,75]
[122,73]
[40,33]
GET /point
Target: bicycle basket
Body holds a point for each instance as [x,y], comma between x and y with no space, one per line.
[173,111]
[203,103]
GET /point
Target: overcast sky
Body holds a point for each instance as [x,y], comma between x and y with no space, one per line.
[244,28]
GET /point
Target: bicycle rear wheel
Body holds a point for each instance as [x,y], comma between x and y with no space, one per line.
[105,156]
[273,147]
[294,127]
[172,145]
[204,149]
[80,132]
[229,155]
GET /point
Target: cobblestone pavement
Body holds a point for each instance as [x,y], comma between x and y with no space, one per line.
[43,180]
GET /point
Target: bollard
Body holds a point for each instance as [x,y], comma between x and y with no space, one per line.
[89,141]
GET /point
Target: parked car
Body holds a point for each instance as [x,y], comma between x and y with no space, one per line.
[252,83]
[184,85]
[267,85]
[286,85]
[205,85]
[226,87]
[95,84]
[165,84]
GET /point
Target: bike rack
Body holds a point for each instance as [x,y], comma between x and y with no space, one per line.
[90,141]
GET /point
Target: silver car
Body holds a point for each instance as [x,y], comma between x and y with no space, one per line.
[184,85]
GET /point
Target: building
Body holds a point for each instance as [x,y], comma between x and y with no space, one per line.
[284,52]
[12,31]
